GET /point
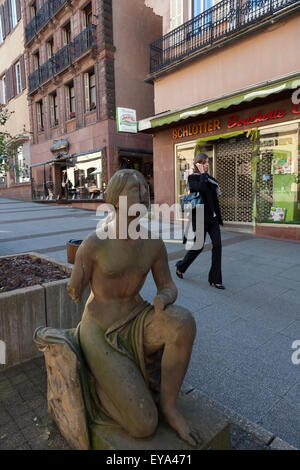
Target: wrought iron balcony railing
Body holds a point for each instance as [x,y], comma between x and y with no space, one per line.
[224,19]
[43,15]
[63,58]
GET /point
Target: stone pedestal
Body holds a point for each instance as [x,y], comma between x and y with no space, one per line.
[66,406]
[211,426]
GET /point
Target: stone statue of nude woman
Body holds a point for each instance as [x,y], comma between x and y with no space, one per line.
[122,337]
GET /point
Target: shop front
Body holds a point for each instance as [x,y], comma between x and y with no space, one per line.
[258,172]
[69,178]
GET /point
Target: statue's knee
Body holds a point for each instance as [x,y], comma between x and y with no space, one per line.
[145,424]
[182,320]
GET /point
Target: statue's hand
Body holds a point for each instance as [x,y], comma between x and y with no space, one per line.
[159,304]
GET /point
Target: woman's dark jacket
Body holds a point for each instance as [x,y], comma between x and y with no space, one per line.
[199,183]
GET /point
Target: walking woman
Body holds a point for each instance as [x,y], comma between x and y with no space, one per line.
[201,181]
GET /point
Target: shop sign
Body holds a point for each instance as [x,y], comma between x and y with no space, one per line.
[196,128]
[234,120]
[126,120]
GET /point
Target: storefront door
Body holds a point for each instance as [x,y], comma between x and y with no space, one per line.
[233,172]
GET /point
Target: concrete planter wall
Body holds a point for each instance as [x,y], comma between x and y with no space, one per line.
[24,310]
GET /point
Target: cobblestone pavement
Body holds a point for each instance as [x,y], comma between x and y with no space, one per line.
[26,425]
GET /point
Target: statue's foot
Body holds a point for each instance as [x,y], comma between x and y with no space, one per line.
[175,419]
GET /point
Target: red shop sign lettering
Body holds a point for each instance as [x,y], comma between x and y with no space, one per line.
[234,120]
[295,109]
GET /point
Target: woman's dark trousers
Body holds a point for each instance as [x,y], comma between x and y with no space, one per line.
[213,229]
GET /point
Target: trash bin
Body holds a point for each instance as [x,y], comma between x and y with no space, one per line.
[72,247]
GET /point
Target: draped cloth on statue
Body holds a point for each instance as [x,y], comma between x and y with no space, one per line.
[125,336]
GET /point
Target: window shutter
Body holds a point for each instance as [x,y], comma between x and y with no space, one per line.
[86,91]
[14,81]
[84,20]
[1,92]
[18,9]
[23,74]
[176,13]
[8,16]
[67,97]
[3,22]
[38,115]
[52,118]
[49,50]
[10,83]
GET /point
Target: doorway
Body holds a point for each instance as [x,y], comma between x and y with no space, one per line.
[233,172]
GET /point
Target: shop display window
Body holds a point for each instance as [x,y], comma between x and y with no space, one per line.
[278,171]
[185,165]
[79,177]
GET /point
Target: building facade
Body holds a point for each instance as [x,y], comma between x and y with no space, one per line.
[85,60]
[220,70]
[13,96]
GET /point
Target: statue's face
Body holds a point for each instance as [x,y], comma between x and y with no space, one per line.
[135,191]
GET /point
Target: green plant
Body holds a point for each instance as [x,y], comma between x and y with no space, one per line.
[9,144]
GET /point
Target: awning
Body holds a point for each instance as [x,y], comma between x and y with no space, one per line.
[227,135]
[96,172]
[216,105]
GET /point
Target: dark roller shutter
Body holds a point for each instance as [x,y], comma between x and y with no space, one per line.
[23,72]
[18,8]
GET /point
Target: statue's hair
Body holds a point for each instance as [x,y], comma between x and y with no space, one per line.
[118,182]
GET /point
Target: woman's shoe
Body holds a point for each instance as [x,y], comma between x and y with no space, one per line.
[179,274]
[217,286]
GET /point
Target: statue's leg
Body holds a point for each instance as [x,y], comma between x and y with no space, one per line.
[120,384]
[175,329]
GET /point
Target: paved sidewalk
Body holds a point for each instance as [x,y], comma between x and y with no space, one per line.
[26,425]
[242,357]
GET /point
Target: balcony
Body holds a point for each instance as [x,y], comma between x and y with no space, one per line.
[226,18]
[44,14]
[63,58]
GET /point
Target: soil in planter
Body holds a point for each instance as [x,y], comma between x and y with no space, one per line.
[23,271]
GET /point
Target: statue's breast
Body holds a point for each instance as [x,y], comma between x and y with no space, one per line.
[124,262]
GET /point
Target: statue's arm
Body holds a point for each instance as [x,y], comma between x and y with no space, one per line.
[81,273]
[166,288]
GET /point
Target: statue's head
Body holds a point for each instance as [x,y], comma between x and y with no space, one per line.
[130,183]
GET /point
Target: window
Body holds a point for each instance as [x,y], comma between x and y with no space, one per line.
[90,91]
[70,100]
[33,9]
[22,164]
[18,77]
[66,34]
[14,19]
[53,109]
[87,15]
[40,116]
[36,60]
[277,196]
[200,5]
[4,93]
[49,46]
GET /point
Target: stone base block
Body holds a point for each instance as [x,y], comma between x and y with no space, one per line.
[210,424]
